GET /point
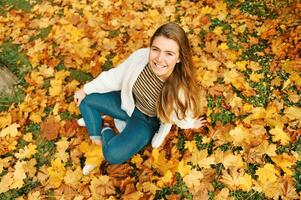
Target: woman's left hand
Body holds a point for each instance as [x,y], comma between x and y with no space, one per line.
[199,123]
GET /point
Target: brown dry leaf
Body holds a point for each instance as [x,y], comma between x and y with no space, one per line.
[50,129]
[288,188]
[97,186]
[133,196]
[69,128]
[119,171]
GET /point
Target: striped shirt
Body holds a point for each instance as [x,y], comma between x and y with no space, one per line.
[146,91]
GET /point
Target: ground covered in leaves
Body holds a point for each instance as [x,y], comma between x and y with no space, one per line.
[248,59]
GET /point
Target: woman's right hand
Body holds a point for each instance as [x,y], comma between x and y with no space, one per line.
[79,96]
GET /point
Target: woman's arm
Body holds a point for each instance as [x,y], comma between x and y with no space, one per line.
[111,80]
[159,137]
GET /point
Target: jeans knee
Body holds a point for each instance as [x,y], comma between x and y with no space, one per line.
[113,157]
[82,105]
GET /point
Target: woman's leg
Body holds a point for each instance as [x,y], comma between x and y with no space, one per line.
[95,104]
[138,132]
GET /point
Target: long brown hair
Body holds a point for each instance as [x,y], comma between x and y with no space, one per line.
[179,93]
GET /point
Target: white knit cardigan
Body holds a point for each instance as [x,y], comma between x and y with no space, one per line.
[122,78]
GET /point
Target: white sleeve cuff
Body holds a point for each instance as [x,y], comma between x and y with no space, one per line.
[159,137]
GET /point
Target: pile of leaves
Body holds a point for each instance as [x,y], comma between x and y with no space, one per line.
[248,60]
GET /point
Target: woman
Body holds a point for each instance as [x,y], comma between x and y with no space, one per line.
[151,90]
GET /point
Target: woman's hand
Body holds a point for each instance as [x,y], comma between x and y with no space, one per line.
[199,123]
[79,96]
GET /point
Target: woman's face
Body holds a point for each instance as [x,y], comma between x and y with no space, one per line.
[163,56]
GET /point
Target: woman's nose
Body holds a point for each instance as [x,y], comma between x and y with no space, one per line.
[160,57]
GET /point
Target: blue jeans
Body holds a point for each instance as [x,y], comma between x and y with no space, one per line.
[137,133]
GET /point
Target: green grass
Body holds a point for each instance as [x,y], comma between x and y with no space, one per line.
[23,5]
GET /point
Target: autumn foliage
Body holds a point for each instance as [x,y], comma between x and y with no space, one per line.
[248,59]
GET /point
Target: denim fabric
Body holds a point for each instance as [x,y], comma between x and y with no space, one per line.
[137,133]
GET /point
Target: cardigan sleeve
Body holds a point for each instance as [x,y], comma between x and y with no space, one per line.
[159,137]
[111,80]
[186,123]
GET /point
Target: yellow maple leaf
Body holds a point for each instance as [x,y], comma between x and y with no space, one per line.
[190,145]
[5,120]
[231,160]
[223,46]
[270,189]
[46,71]
[279,135]
[241,65]
[200,158]
[231,180]
[73,108]
[210,63]
[27,137]
[93,153]
[256,77]
[37,78]
[240,135]
[230,76]
[193,180]
[95,183]
[56,173]
[267,173]
[208,78]
[19,175]
[30,168]
[183,168]
[221,10]
[293,113]
[224,194]
[218,30]
[295,77]
[247,107]
[11,130]
[137,159]
[36,117]
[5,163]
[160,162]
[56,87]
[6,181]
[257,113]
[245,182]
[166,179]
[266,148]
[73,177]
[285,162]
[27,152]
[206,10]
[148,187]
[61,147]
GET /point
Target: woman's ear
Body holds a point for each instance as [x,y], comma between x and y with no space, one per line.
[178,61]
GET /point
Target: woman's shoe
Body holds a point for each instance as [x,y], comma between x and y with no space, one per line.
[81,122]
[88,168]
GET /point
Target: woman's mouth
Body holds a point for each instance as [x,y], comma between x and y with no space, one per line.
[159,66]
